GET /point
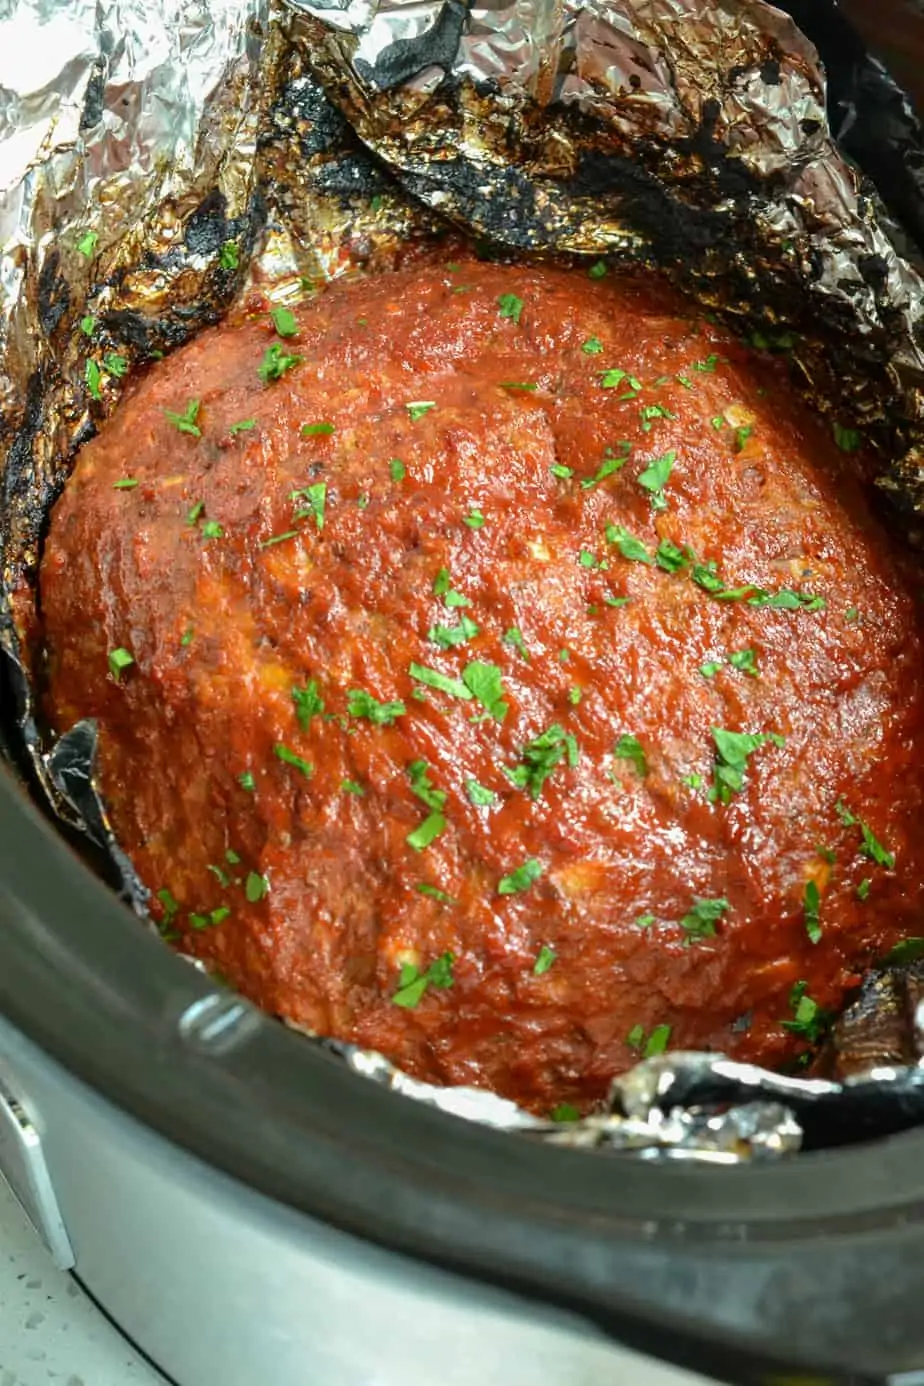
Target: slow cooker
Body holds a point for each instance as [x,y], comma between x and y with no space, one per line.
[248,1210]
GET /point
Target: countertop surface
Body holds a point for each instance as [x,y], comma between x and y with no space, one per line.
[50,1332]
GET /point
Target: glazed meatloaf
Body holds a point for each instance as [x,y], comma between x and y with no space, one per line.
[497,667]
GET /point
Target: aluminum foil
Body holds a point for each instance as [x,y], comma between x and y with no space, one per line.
[160,157]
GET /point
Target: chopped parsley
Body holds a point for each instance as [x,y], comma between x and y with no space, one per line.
[246,781]
[809,1020]
[484,683]
[630,748]
[514,638]
[745,661]
[170,905]
[88,326]
[242,426]
[128,483]
[434,893]
[419,775]
[474,519]
[574,696]
[443,683]
[290,758]
[352,787]
[561,471]
[597,270]
[417,408]
[510,307]
[212,530]
[276,362]
[540,757]
[669,557]
[628,545]
[702,917]
[741,436]
[315,497]
[447,637]
[229,257]
[863,889]
[87,243]
[544,960]
[565,1112]
[611,380]
[592,347]
[644,921]
[650,412]
[93,376]
[317,430]
[284,322]
[255,887]
[611,463]
[870,845]
[847,439]
[308,703]
[787,600]
[116,364]
[194,513]
[655,1044]
[428,831]
[186,422]
[397,469]
[479,795]
[589,560]
[909,950]
[520,879]
[707,366]
[710,669]
[519,385]
[412,984]
[279,538]
[732,752]
[655,477]
[120,659]
[362,704]
[811,907]
[187,636]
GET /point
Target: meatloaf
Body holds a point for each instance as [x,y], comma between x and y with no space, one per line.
[498,667]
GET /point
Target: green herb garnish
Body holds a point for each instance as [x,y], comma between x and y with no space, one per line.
[316,498]
[809,1020]
[434,893]
[120,659]
[811,906]
[93,377]
[561,471]
[745,661]
[510,307]
[255,887]
[597,270]
[412,984]
[540,757]
[732,752]
[128,483]
[710,669]
[212,530]
[229,257]
[447,637]
[88,326]
[317,430]
[290,758]
[417,408]
[186,422]
[479,795]
[546,957]
[611,463]
[520,879]
[352,787]
[592,347]
[655,477]
[514,638]
[427,831]
[630,748]
[397,469]
[847,439]
[702,917]
[669,557]
[276,362]
[246,781]
[116,364]
[87,243]
[628,545]
[284,322]
[362,704]
[442,682]
[242,426]
[474,519]
[308,703]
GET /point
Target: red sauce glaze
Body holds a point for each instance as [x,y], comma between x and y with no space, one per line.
[189,571]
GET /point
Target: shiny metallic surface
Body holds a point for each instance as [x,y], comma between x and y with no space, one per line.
[22,1165]
[264,1290]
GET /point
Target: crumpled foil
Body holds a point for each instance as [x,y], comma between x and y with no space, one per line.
[158,158]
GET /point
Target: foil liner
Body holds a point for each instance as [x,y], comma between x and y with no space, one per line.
[158,160]
[695,136]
